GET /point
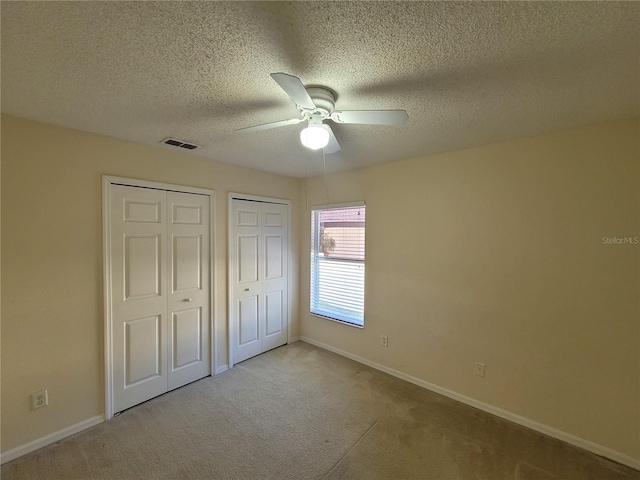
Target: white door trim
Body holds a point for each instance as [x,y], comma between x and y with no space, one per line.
[256,198]
[107,181]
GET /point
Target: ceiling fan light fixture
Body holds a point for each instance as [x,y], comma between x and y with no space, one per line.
[315,136]
[316,103]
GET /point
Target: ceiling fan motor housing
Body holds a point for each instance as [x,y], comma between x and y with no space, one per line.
[324,98]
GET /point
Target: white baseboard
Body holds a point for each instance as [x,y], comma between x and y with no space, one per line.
[294,339]
[221,369]
[512,417]
[49,439]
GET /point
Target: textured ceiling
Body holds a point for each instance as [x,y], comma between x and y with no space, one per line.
[467,73]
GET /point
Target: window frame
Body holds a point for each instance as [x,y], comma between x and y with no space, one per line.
[352,322]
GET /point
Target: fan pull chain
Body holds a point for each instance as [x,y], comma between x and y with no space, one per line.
[326,184]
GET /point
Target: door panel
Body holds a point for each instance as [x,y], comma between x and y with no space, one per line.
[245,331]
[143,350]
[140,211]
[138,272]
[247,217]
[273,311]
[274,276]
[247,258]
[187,337]
[248,321]
[189,297]
[273,256]
[273,219]
[141,266]
[187,263]
[258,278]
[187,214]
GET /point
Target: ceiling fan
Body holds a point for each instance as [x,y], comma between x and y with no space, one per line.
[316,104]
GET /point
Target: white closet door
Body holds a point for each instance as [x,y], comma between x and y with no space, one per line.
[245,273]
[189,292]
[258,277]
[160,284]
[139,294]
[274,275]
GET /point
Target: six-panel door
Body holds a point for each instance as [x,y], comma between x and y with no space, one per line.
[160,292]
[258,272]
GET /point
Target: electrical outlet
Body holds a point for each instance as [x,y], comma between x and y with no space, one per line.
[480,369]
[384,341]
[39,399]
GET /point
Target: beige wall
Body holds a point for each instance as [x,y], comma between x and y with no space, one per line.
[495,255]
[492,254]
[52,329]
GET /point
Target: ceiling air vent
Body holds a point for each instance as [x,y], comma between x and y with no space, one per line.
[180,144]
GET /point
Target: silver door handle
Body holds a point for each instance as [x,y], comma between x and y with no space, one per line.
[187,300]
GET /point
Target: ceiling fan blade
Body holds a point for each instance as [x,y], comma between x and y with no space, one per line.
[267,126]
[371,117]
[333,146]
[295,89]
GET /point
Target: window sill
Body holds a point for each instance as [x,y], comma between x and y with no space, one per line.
[337,321]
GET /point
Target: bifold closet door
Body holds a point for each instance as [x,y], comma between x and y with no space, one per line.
[139,297]
[160,297]
[258,273]
[189,289]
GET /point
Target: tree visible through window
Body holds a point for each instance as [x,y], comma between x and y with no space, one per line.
[337,263]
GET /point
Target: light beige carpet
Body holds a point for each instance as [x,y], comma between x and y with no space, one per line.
[299,412]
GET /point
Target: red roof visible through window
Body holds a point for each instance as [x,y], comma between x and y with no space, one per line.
[343,215]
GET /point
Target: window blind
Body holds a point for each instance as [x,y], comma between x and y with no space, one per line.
[337,263]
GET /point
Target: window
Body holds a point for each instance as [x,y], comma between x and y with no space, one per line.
[337,262]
